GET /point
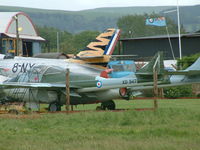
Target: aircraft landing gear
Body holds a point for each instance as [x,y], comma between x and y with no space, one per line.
[54,107]
[109,105]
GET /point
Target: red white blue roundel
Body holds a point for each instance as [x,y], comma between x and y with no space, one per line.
[99,84]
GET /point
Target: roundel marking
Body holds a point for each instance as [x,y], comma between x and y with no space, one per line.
[151,20]
[99,84]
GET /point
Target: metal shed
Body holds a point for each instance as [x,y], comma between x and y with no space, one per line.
[18,35]
[148,46]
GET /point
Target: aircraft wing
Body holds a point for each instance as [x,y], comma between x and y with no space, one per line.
[74,85]
[160,86]
[99,84]
[30,85]
[76,89]
[81,86]
[184,72]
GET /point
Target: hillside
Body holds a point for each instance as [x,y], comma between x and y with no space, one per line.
[101,18]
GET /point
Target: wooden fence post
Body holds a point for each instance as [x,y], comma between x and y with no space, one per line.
[155,78]
[67,90]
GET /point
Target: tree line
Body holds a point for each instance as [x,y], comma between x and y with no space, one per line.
[131,26]
[68,43]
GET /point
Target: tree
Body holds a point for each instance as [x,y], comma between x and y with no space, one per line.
[187,61]
[81,40]
[50,34]
[69,43]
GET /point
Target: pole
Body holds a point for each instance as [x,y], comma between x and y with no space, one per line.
[67,90]
[155,82]
[17,36]
[179,31]
[58,46]
[170,43]
[155,78]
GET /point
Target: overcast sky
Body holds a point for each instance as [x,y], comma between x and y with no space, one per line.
[89,4]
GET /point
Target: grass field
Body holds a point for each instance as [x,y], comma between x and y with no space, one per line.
[175,125]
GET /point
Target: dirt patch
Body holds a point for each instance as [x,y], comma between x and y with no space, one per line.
[20,116]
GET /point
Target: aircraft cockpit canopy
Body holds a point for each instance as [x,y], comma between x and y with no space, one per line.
[122,66]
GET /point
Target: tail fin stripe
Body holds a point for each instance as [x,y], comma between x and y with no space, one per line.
[110,47]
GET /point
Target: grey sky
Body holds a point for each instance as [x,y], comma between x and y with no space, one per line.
[89,4]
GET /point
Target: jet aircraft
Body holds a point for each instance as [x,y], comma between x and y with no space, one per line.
[47,84]
[88,84]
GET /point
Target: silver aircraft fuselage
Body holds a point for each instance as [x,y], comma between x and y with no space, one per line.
[12,67]
[78,72]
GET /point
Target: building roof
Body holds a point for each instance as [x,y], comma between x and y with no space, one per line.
[26,27]
[27,37]
[162,37]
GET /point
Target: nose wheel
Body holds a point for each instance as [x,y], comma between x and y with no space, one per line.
[108,105]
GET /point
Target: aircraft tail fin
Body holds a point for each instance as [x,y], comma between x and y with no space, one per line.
[148,69]
[192,70]
[189,75]
[103,45]
[195,65]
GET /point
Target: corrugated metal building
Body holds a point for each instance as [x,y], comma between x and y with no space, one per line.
[148,46]
[29,42]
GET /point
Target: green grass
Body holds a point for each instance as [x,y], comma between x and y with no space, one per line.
[174,126]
